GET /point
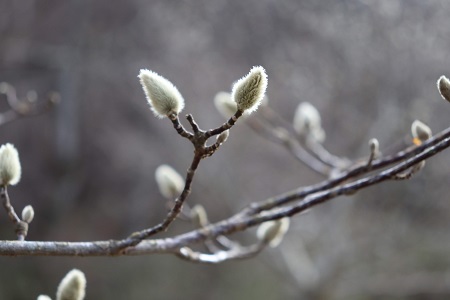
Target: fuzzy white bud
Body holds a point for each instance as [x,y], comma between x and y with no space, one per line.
[307,122]
[249,90]
[225,104]
[169,181]
[374,146]
[10,170]
[221,138]
[199,216]
[72,287]
[163,97]
[420,131]
[28,214]
[43,297]
[272,232]
[443,85]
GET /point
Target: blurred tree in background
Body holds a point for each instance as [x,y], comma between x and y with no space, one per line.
[370,67]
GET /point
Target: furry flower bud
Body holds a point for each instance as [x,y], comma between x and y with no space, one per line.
[307,122]
[374,146]
[170,183]
[420,132]
[272,232]
[72,287]
[443,85]
[163,97]
[28,214]
[221,138]
[10,170]
[225,105]
[250,89]
[199,216]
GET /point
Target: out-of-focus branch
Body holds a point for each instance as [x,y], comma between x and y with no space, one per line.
[29,106]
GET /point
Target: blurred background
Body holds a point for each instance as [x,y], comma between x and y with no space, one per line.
[370,67]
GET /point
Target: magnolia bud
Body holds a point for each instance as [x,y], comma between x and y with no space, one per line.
[221,138]
[199,216]
[170,183]
[28,214]
[307,122]
[10,170]
[163,97]
[374,146]
[249,90]
[420,132]
[443,85]
[72,287]
[225,105]
[272,232]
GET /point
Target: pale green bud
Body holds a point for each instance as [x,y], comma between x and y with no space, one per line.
[307,122]
[272,232]
[221,138]
[163,97]
[250,89]
[374,146]
[10,170]
[170,183]
[72,287]
[420,132]
[28,214]
[199,216]
[43,297]
[443,85]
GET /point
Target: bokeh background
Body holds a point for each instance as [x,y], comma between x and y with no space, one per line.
[370,67]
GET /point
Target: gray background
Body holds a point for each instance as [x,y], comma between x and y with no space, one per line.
[370,67]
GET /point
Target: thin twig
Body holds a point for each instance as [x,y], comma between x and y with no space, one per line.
[137,237]
[240,221]
[179,127]
[21,226]
[354,171]
[221,256]
[230,123]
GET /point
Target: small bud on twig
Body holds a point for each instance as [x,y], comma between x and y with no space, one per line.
[10,170]
[28,214]
[420,132]
[225,105]
[170,183]
[443,85]
[221,138]
[43,297]
[307,122]
[272,232]
[250,89]
[374,146]
[199,216]
[72,287]
[163,97]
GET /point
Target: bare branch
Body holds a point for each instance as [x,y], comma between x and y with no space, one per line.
[21,226]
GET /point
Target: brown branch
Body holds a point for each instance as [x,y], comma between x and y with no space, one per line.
[244,219]
[21,226]
[137,237]
[354,171]
[230,123]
